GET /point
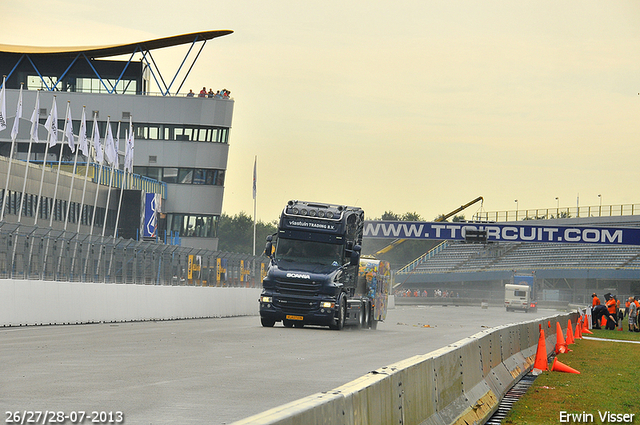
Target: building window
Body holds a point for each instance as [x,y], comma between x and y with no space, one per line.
[200,176]
[185,175]
[181,133]
[170,175]
[193,225]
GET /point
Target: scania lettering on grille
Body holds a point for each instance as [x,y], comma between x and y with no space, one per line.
[298,276]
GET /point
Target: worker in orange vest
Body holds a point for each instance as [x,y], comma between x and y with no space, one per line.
[595,300]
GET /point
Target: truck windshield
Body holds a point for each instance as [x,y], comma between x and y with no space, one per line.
[308,252]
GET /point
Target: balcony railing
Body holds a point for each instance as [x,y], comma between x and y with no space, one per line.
[564,212]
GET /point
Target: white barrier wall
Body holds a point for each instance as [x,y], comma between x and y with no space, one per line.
[34,302]
[462,383]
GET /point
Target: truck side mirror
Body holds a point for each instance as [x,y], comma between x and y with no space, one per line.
[269,246]
[355,255]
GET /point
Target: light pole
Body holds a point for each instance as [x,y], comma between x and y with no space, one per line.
[557,207]
[600,207]
[516,201]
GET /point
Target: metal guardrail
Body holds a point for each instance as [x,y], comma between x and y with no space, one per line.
[463,382]
[565,212]
[30,252]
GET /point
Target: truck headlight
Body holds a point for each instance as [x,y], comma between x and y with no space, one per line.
[264,299]
[327,304]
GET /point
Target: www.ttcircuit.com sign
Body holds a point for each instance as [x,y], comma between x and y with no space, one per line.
[497,232]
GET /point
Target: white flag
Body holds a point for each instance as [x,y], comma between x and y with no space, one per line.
[16,122]
[68,126]
[96,140]
[35,118]
[82,135]
[117,148]
[109,146]
[255,177]
[128,156]
[52,124]
[3,106]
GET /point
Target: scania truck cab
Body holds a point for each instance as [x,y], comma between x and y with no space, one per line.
[313,274]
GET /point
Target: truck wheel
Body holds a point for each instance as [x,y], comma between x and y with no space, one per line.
[287,323]
[374,325]
[366,317]
[362,316]
[369,316]
[267,323]
[342,313]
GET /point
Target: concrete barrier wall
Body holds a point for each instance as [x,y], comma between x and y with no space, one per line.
[34,302]
[462,383]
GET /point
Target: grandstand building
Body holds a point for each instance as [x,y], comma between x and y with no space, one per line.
[181,143]
[564,272]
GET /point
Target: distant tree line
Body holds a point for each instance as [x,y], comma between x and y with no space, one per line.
[235,233]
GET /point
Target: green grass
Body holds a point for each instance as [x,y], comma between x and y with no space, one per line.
[609,380]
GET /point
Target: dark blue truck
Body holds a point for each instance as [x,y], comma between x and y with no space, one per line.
[314,275]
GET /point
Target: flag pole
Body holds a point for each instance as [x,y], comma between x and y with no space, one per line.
[52,127]
[72,145]
[100,158]
[123,181]
[14,134]
[55,190]
[82,145]
[110,151]
[35,117]
[73,171]
[255,190]
[106,208]
[85,152]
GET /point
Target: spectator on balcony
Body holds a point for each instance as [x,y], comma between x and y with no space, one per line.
[203,92]
[191,93]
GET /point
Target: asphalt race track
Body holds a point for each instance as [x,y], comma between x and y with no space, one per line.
[212,371]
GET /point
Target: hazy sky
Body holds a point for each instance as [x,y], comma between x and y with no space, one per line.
[409,106]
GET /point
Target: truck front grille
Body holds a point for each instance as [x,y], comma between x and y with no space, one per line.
[297,305]
[308,289]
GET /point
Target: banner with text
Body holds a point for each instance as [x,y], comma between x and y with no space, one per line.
[503,232]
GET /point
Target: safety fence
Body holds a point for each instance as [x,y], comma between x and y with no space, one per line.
[462,383]
[34,253]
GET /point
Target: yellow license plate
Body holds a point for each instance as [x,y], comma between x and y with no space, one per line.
[290,317]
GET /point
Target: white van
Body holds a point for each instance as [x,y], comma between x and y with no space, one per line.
[518,297]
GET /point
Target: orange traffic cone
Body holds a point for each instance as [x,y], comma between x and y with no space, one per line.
[585,326]
[541,354]
[570,339]
[603,322]
[561,344]
[549,324]
[578,333]
[561,367]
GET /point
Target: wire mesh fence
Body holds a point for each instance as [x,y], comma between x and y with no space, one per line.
[36,253]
